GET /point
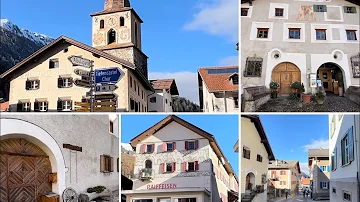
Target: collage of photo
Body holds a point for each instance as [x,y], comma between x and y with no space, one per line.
[141,101]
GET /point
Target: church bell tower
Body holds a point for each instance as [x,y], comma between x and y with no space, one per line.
[117,30]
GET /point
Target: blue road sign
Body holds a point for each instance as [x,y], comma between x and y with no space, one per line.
[111,75]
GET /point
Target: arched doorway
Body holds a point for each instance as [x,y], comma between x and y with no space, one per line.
[111,36]
[285,74]
[24,171]
[331,77]
[250,181]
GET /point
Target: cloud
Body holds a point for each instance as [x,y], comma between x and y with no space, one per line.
[292,150]
[186,82]
[231,60]
[304,168]
[217,17]
[316,144]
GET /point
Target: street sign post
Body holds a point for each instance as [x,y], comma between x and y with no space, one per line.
[104,109]
[79,61]
[82,104]
[105,96]
[82,109]
[104,103]
[82,83]
[111,75]
[105,88]
[81,72]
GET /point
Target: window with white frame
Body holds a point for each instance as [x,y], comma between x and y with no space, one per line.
[346,196]
[244,11]
[351,35]
[349,9]
[32,84]
[324,185]
[64,104]
[347,148]
[185,200]
[24,106]
[43,106]
[65,82]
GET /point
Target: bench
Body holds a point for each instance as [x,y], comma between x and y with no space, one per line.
[254,97]
[353,94]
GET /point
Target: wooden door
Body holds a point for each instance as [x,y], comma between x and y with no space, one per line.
[285,74]
[24,171]
[326,77]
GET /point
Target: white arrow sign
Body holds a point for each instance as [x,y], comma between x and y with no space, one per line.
[105,88]
[79,61]
[81,72]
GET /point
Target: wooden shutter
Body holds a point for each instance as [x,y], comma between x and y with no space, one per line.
[351,144]
[102,163]
[60,82]
[71,103]
[163,146]
[186,145]
[59,105]
[71,82]
[353,9]
[36,106]
[174,167]
[162,165]
[38,81]
[345,9]
[185,166]
[315,8]
[47,106]
[152,148]
[111,164]
[27,85]
[174,146]
[143,148]
[19,107]
[325,8]
[196,144]
[196,165]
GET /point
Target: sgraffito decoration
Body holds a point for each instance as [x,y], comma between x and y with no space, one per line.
[306,12]
[98,38]
[355,64]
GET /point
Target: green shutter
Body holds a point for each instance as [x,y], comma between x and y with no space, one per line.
[315,8]
[345,9]
[325,8]
[353,9]
[335,158]
[351,144]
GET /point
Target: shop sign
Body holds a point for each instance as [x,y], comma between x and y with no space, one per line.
[161,186]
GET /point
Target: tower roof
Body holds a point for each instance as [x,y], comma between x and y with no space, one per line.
[116,4]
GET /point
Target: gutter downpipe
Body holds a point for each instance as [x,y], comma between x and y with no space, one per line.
[356,144]
[225,105]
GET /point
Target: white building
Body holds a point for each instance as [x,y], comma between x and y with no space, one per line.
[161,99]
[49,153]
[345,157]
[179,162]
[219,89]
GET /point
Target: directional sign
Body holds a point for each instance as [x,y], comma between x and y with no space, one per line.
[105,88]
[82,83]
[105,96]
[112,75]
[79,61]
[104,109]
[82,104]
[81,72]
[82,109]
[104,103]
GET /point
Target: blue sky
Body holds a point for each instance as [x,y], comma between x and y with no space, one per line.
[291,136]
[224,127]
[177,36]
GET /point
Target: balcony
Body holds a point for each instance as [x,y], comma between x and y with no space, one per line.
[146,174]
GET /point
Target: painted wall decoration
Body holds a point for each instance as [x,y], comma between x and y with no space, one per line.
[98,38]
[306,12]
[355,64]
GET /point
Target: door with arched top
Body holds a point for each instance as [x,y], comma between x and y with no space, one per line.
[24,171]
[285,74]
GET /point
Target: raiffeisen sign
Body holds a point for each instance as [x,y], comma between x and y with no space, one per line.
[161,186]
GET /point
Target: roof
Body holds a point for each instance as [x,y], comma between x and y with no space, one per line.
[218,82]
[284,164]
[305,181]
[4,106]
[168,84]
[65,39]
[318,153]
[356,2]
[117,10]
[259,127]
[169,119]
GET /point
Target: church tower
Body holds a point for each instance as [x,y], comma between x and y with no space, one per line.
[117,30]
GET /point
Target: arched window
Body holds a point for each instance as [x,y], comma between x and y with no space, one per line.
[111,36]
[122,21]
[148,164]
[102,24]
[136,34]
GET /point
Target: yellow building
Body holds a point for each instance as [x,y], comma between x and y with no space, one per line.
[256,154]
[44,81]
[284,175]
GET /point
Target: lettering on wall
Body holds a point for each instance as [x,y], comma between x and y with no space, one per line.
[161,186]
[306,12]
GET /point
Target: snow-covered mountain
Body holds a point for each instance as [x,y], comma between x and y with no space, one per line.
[39,39]
[127,148]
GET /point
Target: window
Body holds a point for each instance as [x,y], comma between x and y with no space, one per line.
[191,166]
[142,94]
[132,104]
[279,12]
[138,90]
[135,85]
[346,196]
[65,82]
[347,148]
[186,200]
[259,158]
[334,190]
[131,82]
[169,167]
[235,79]
[143,200]
[324,185]
[64,104]
[253,67]
[169,146]
[282,172]
[102,24]
[32,84]
[53,63]
[320,8]
[244,11]
[106,164]
[236,102]
[351,35]
[111,36]
[349,9]
[41,106]
[149,148]
[122,21]
[262,33]
[191,145]
[320,34]
[170,104]
[148,164]
[24,106]
[294,33]
[246,153]
[111,127]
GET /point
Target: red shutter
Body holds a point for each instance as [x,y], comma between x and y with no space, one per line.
[152,147]
[196,165]
[185,166]
[174,166]
[143,147]
[174,146]
[186,145]
[162,167]
[164,146]
[196,144]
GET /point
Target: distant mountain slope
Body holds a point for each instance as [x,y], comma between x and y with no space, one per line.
[181,104]
[17,44]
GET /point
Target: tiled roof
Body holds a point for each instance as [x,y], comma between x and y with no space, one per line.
[218,82]
[168,84]
[318,153]
[284,164]
[4,106]
[305,181]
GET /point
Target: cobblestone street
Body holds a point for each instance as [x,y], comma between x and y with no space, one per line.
[297,198]
[332,104]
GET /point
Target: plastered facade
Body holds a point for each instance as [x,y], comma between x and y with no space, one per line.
[163,101]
